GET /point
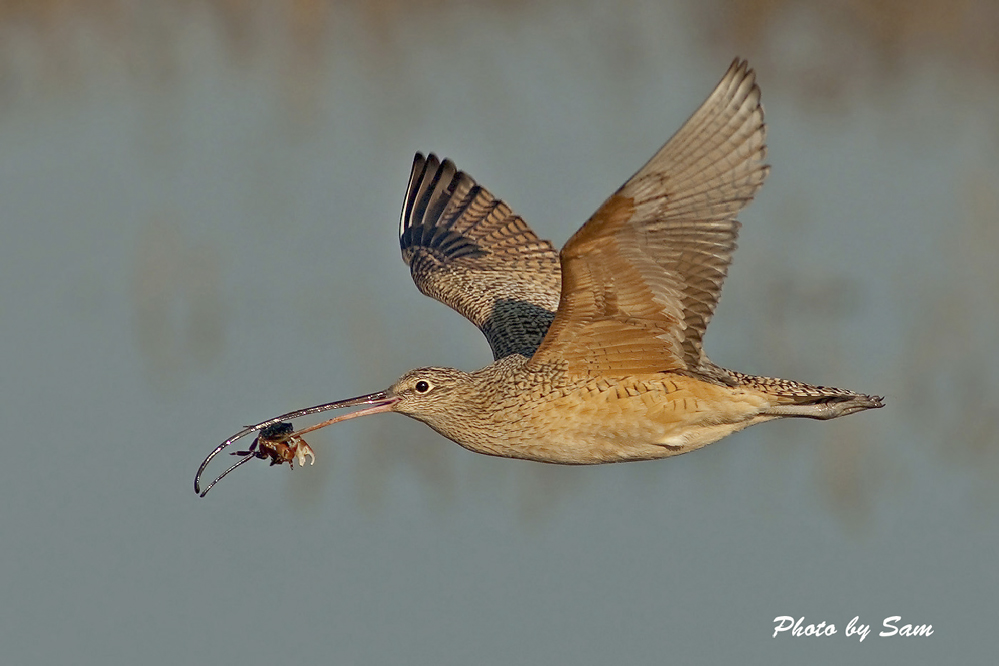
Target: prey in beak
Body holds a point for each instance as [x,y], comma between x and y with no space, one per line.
[279,442]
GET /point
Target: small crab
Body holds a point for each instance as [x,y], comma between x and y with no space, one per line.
[280,443]
[277,442]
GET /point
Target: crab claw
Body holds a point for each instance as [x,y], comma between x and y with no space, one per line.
[302,451]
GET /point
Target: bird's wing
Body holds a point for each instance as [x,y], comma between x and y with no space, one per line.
[641,278]
[468,250]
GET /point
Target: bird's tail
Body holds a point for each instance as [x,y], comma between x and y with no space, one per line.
[808,401]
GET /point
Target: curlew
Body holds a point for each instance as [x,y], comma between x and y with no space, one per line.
[597,348]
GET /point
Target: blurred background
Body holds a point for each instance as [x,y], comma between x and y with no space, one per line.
[199,203]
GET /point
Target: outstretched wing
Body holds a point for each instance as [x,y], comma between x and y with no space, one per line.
[641,278]
[468,250]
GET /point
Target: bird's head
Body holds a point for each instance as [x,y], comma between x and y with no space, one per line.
[429,394]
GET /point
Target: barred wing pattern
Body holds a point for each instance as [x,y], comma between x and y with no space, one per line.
[468,250]
[640,280]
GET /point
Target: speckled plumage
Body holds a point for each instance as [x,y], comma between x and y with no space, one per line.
[606,363]
[598,349]
[468,250]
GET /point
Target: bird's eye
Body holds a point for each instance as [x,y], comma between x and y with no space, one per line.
[422,386]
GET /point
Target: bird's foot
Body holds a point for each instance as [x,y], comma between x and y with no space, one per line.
[830,407]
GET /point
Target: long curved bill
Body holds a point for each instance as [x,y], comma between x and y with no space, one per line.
[379,402]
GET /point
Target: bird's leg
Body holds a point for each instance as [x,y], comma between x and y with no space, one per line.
[828,408]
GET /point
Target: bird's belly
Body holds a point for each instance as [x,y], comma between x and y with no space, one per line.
[597,423]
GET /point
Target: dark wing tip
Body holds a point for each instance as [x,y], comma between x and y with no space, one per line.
[433,205]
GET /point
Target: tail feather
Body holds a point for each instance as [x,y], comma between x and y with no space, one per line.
[805,400]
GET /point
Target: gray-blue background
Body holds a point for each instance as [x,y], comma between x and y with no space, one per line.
[198,207]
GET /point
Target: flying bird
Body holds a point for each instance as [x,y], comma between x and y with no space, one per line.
[597,349]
